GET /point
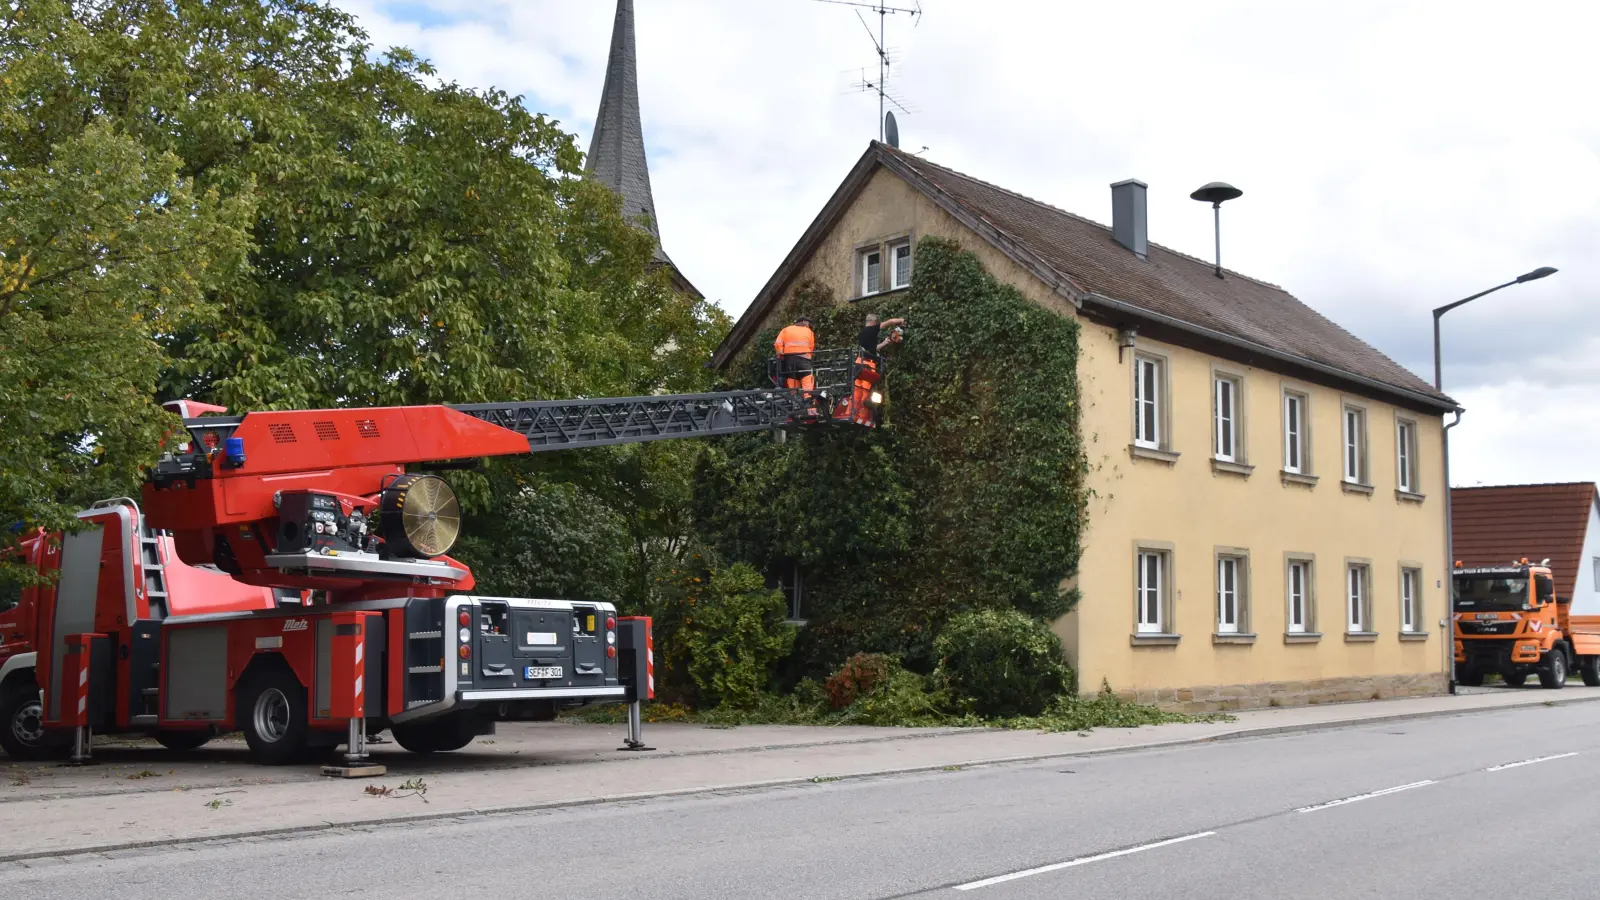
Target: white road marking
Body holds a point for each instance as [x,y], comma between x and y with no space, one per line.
[1079,861]
[1529,762]
[1393,790]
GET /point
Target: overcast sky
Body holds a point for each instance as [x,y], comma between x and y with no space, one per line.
[1394,156]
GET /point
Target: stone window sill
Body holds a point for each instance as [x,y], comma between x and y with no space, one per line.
[1413,635]
[892,292]
[1409,496]
[1154,640]
[1351,487]
[1360,637]
[1232,468]
[1167,456]
[1233,639]
[1298,478]
[1302,637]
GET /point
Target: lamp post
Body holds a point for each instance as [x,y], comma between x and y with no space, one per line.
[1449,531]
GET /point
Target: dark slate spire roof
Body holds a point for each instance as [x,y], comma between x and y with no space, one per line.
[616,151]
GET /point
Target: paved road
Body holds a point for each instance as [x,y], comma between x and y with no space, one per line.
[1436,808]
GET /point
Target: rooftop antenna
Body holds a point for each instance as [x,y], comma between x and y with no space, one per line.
[1216,193]
[880,87]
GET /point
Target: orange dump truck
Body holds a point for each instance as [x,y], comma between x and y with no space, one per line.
[1509,621]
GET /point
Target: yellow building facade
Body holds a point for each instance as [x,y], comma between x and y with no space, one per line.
[1266,524]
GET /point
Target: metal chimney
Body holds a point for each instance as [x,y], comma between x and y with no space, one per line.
[1129,223]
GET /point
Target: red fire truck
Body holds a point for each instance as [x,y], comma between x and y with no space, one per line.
[283,574]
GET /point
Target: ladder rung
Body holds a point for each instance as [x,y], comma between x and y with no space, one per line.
[151,692]
[416,703]
[424,670]
[422,635]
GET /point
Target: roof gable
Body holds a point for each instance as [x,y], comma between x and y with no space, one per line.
[1079,258]
[1495,525]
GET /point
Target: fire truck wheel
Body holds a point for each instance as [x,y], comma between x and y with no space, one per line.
[22,732]
[1553,674]
[186,739]
[1589,668]
[272,715]
[437,736]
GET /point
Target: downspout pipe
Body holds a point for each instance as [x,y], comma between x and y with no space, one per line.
[1448,622]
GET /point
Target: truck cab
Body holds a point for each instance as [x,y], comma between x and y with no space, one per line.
[1508,620]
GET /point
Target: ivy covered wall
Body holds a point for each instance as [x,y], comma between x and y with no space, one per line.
[971,496]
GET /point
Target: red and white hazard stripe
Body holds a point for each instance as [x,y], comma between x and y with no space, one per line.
[361,648]
[650,662]
[83,684]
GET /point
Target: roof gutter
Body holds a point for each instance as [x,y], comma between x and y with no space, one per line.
[1323,368]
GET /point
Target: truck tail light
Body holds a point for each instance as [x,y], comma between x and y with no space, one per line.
[465,619]
[464,651]
[611,652]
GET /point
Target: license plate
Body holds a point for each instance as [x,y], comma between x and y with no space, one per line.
[536,672]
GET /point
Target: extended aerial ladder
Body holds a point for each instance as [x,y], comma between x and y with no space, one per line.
[319,503]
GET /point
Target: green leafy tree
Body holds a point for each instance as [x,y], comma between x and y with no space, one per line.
[551,540]
[323,225]
[733,635]
[107,244]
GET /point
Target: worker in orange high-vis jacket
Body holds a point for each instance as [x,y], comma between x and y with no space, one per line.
[794,345]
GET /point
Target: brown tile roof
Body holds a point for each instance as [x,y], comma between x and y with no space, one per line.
[1167,282]
[1082,260]
[1495,525]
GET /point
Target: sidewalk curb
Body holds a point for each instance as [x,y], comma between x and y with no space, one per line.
[1239,734]
[512,763]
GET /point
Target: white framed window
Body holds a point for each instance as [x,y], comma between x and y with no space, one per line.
[1230,594]
[1148,385]
[1150,592]
[1225,419]
[1405,447]
[1410,600]
[1355,445]
[871,271]
[1298,588]
[900,263]
[1358,614]
[1294,434]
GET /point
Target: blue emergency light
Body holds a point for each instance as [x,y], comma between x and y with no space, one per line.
[233,449]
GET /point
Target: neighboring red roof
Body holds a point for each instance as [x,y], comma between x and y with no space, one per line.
[1497,525]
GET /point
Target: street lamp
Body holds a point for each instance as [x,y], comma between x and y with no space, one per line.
[1449,529]
[1535,275]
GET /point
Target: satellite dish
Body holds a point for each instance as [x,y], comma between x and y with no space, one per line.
[891,131]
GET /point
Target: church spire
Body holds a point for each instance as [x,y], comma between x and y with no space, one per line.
[616,151]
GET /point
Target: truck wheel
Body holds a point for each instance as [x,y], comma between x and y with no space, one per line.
[184,740]
[1469,677]
[436,736]
[22,731]
[1553,674]
[1589,668]
[272,715]
[1514,679]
